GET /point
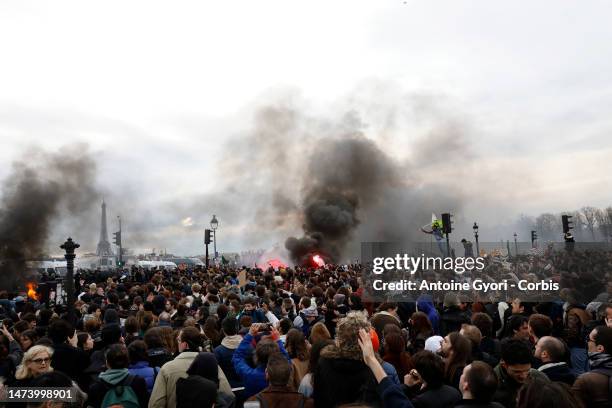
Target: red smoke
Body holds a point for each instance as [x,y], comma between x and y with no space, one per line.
[317,260]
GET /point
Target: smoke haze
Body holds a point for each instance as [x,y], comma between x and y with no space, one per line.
[42,187]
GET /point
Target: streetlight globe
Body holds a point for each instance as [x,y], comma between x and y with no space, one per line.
[475,227]
[214,223]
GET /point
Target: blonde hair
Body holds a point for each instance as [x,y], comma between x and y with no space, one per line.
[23,371]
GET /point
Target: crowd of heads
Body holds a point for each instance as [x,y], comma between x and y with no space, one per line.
[302,325]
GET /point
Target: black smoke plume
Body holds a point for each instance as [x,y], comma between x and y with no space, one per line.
[343,175]
[41,187]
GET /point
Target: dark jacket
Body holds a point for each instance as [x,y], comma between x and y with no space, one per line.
[575,320]
[341,377]
[477,404]
[559,372]
[508,387]
[282,397]
[111,378]
[8,365]
[451,320]
[491,346]
[593,387]
[97,362]
[224,354]
[479,355]
[195,392]
[158,356]
[71,361]
[444,396]
[257,315]
[392,395]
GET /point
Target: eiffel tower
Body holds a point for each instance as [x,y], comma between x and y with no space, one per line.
[104,247]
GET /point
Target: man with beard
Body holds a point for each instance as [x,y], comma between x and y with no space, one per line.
[594,388]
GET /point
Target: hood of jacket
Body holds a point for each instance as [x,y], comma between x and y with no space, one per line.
[425,304]
[115,375]
[231,342]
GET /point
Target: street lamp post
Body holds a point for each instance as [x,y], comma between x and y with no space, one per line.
[120,246]
[475,228]
[69,246]
[515,244]
[214,224]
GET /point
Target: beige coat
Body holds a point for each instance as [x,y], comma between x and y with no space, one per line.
[164,390]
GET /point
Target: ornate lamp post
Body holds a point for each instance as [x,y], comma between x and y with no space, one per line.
[69,246]
[475,228]
[214,224]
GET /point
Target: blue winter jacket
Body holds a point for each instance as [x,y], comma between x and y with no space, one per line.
[254,379]
[143,370]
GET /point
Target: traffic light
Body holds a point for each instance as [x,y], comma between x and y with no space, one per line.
[207,237]
[120,263]
[117,238]
[534,237]
[567,223]
[446,223]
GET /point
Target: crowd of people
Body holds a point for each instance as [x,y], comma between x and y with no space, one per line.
[303,337]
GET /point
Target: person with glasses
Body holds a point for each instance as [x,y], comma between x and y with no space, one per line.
[594,388]
[36,361]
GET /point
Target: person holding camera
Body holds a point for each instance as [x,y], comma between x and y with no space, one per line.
[260,342]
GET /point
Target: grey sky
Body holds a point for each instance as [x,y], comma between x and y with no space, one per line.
[159,91]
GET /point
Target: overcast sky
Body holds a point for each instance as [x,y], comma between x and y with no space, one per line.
[158,90]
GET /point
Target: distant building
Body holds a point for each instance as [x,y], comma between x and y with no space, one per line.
[104,247]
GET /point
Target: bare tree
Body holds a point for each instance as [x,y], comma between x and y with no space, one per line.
[579,224]
[589,214]
[548,224]
[608,211]
[601,218]
[604,221]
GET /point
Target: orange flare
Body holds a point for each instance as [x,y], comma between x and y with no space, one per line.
[32,290]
